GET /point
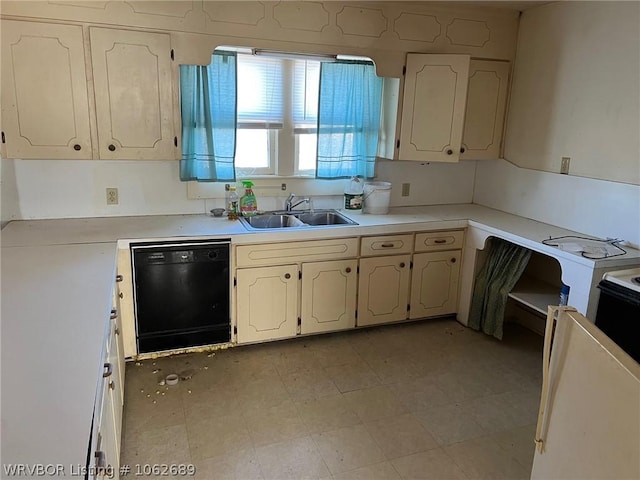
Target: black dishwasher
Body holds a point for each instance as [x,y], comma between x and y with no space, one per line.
[181,294]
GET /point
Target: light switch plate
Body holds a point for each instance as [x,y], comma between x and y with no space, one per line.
[564,166]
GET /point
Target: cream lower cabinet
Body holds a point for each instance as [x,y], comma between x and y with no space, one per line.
[267,303]
[383,291]
[328,296]
[45,106]
[434,284]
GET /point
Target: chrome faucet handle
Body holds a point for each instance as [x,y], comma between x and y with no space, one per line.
[289,201]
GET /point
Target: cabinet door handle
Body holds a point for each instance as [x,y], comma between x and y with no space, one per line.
[453,260]
[108,370]
[439,241]
[449,152]
[114,314]
[401,264]
[77,147]
[462,149]
[119,278]
[348,269]
[120,295]
[112,386]
[112,148]
[287,276]
[387,245]
[116,330]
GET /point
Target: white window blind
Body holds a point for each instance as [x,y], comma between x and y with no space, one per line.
[306,85]
[260,81]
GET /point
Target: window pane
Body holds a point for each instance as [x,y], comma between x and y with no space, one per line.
[260,90]
[306,84]
[252,148]
[307,144]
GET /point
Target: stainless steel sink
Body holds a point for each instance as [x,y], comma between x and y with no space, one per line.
[271,221]
[325,218]
[295,219]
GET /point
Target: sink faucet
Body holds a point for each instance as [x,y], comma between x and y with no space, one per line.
[290,205]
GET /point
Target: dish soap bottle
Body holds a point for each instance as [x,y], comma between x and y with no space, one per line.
[248,202]
[353,194]
[232,203]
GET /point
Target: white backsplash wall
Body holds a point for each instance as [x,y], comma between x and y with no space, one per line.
[431,183]
[77,188]
[595,207]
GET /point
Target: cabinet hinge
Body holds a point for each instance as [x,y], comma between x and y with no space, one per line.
[411,264]
[172,55]
[404,70]
[299,322]
[300,275]
[356,314]
[235,282]
[408,307]
[398,144]
[175,141]
[358,269]
[235,330]
[3,140]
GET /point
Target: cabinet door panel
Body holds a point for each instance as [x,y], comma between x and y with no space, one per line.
[486,103]
[45,112]
[267,303]
[383,291]
[433,107]
[328,296]
[434,284]
[134,108]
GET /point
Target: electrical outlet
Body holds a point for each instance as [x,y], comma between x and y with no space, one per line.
[564,166]
[112,196]
[406,188]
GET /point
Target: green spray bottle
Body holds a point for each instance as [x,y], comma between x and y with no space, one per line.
[248,202]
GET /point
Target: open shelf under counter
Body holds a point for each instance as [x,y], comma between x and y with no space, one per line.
[535,293]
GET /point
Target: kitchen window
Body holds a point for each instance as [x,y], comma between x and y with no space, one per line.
[277,115]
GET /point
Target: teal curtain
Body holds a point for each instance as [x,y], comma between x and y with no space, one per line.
[348,119]
[502,269]
[208,103]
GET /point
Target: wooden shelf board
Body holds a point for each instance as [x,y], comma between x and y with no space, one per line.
[535,293]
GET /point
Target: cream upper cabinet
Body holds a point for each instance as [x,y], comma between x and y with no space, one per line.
[486,104]
[45,108]
[434,283]
[328,296]
[132,75]
[267,303]
[383,291]
[433,107]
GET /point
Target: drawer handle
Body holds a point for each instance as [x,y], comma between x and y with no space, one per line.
[453,260]
[388,245]
[287,276]
[440,240]
[401,264]
[348,269]
[108,370]
[119,278]
[114,314]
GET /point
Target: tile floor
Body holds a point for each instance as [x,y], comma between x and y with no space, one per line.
[429,399]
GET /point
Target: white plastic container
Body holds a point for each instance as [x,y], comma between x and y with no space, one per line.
[376,197]
[353,195]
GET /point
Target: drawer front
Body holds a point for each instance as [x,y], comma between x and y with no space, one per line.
[294,252]
[434,241]
[385,245]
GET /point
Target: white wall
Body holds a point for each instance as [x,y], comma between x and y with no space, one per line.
[576,90]
[596,207]
[76,188]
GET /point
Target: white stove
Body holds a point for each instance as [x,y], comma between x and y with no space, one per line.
[625,278]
